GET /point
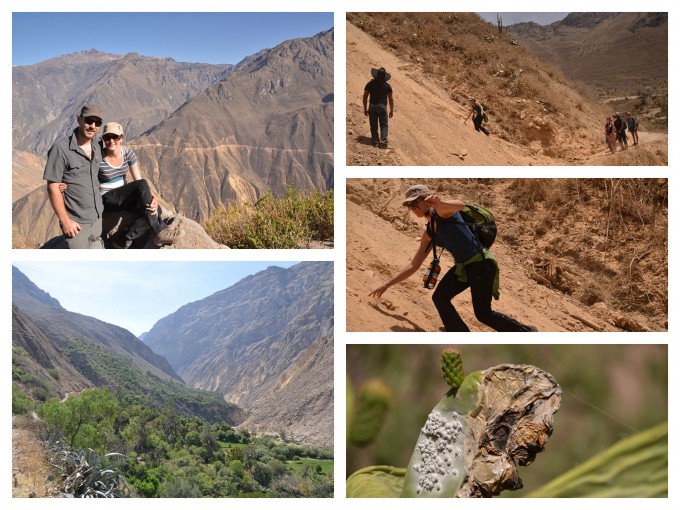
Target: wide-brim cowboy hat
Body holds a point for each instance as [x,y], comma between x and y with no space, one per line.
[374,73]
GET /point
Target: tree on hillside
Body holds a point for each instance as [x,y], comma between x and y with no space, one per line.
[81,421]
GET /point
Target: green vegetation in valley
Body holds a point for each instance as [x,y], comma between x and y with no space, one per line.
[165,454]
[291,221]
[134,386]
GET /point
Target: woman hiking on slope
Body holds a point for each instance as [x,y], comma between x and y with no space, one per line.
[477,113]
[475,266]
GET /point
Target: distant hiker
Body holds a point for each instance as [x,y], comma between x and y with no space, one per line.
[474,267]
[75,160]
[380,93]
[620,126]
[610,134]
[135,196]
[477,113]
[632,127]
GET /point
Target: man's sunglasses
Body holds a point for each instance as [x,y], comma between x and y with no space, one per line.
[92,120]
[108,138]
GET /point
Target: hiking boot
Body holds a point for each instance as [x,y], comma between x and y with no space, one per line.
[533,329]
[376,144]
[169,236]
[383,144]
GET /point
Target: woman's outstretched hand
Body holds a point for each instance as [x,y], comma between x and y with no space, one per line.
[379,291]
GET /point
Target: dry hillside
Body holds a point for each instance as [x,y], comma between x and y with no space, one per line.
[574,254]
[437,60]
[587,48]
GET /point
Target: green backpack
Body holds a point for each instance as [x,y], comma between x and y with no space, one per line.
[480,220]
[484,115]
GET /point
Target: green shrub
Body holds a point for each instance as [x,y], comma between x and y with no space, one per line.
[54,373]
[21,403]
[40,393]
[291,221]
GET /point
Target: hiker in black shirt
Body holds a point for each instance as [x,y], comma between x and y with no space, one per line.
[477,113]
[379,92]
[620,126]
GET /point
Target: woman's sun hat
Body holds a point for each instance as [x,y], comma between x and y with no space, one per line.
[416,192]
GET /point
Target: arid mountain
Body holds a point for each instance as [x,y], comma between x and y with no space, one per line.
[623,52]
[263,127]
[438,60]
[64,352]
[266,344]
[136,91]
[46,311]
[27,173]
[574,254]
[43,353]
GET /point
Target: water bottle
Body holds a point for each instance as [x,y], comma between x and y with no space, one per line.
[431,274]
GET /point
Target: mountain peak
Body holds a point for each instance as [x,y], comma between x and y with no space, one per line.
[27,295]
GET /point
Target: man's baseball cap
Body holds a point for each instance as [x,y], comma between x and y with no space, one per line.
[112,128]
[91,110]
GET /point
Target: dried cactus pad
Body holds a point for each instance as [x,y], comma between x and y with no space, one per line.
[511,423]
[473,442]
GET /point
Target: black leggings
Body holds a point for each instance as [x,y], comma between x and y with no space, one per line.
[477,121]
[134,197]
[480,276]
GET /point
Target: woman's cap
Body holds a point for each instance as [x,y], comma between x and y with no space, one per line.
[112,128]
[380,73]
[416,192]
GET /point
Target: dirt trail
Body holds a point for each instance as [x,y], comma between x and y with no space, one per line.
[382,238]
[427,127]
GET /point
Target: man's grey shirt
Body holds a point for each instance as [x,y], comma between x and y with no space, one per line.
[66,162]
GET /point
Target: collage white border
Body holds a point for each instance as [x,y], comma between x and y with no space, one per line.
[338,255]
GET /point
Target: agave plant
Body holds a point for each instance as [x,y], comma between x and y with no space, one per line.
[85,474]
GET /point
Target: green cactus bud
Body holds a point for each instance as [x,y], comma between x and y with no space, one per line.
[371,410]
[452,368]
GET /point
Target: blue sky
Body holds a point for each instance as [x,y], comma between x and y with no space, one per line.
[213,38]
[135,295]
[510,18]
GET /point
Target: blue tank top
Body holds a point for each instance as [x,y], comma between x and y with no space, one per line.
[456,237]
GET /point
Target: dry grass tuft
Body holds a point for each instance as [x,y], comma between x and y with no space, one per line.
[32,473]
